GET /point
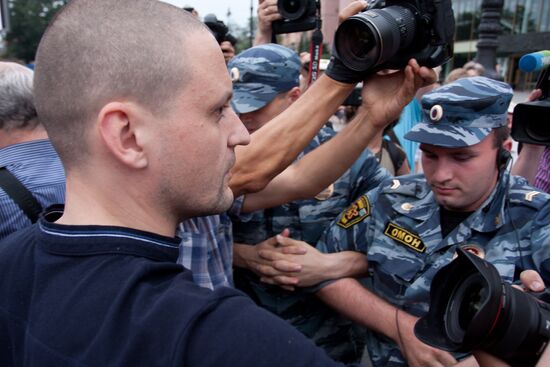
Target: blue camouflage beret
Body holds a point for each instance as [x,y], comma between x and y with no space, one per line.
[260,73]
[462,113]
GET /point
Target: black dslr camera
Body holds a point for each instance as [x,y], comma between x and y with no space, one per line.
[219,29]
[298,16]
[389,33]
[472,309]
[530,123]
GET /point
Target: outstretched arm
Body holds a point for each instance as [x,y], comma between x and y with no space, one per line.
[384,97]
[278,143]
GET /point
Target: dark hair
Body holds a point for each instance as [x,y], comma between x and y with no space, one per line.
[501,134]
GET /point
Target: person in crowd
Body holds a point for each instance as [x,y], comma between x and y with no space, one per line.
[411,115]
[474,68]
[141,119]
[410,227]
[31,174]
[538,174]
[413,226]
[390,154]
[456,74]
[191,10]
[269,85]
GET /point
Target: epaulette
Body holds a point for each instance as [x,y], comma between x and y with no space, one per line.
[411,185]
[526,195]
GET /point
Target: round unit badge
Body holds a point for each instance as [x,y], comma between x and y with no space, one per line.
[436,113]
[235,74]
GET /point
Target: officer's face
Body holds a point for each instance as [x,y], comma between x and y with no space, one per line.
[256,119]
[461,178]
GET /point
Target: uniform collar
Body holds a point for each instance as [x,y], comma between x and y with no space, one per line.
[422,205]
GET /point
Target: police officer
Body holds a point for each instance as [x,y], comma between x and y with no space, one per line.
[265,83]
[410,227]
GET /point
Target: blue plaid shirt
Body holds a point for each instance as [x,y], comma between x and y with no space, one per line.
[37,166]
[206,248]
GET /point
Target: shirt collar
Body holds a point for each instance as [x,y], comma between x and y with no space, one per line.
[36,149]
[91,240]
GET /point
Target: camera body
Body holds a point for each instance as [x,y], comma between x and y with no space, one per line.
[389,33]
[472,309]
[530,123]
[298,16]
[219,29]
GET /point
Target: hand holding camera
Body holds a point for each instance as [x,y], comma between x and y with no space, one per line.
[418,29]
[529,118]
[472,309]
[296,16]
[267,14]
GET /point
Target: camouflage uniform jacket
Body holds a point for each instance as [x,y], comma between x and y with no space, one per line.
[307,219]
[398,226]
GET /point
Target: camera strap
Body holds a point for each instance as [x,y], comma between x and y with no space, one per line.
[24,199]
[316,47]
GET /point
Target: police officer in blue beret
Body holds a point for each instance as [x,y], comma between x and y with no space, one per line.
[411,227]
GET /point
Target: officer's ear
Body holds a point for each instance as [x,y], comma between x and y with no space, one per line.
[294,94]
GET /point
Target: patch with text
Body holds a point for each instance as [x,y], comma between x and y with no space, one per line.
[405,237]
[355,213]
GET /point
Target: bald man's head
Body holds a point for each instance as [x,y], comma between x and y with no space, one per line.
[100,51]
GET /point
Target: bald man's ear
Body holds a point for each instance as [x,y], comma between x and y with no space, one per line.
[120,134]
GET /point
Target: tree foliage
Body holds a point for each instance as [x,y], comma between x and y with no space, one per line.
[29,19]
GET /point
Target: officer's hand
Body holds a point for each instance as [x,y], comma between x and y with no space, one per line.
[313,263]
[385,96]
[336,69]
[415,352]
[267,14]
[228,50]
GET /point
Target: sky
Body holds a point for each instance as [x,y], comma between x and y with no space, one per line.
[240,9]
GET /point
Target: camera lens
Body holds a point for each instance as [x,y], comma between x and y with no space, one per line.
[465,302]
[292,9]
[373,37]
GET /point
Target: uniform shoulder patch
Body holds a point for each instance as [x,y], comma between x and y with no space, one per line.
[405,237]
[355,213]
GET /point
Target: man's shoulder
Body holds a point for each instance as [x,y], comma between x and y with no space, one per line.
[520,193]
